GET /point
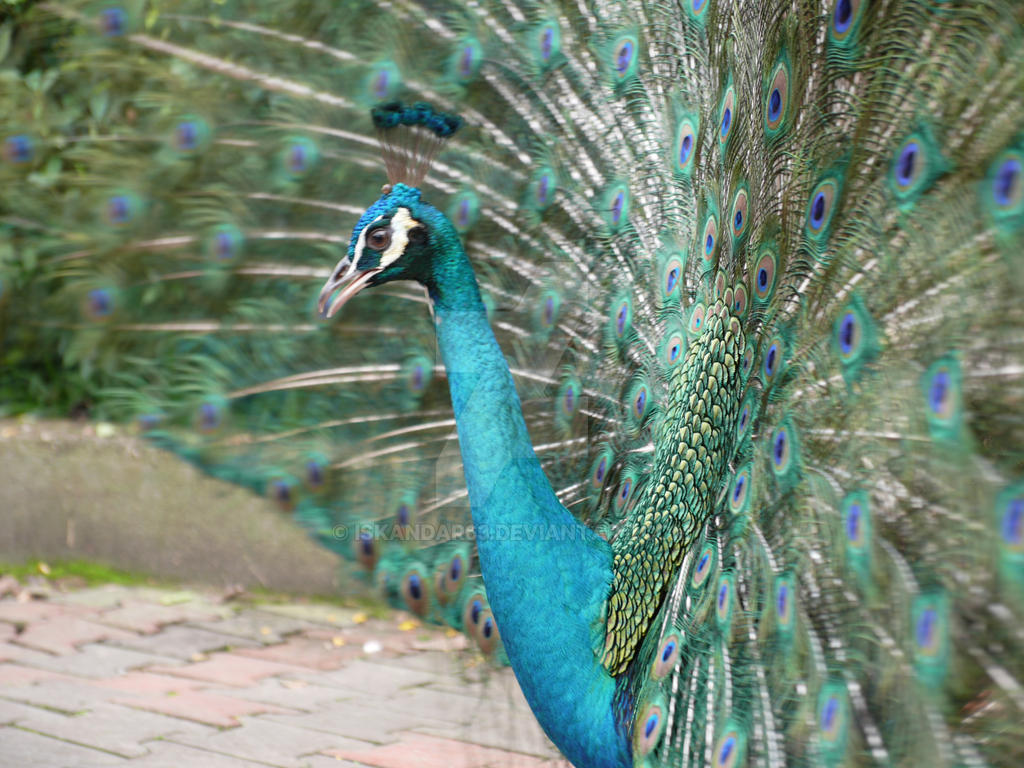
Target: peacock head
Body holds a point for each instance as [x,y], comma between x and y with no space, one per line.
[394,240]
[399,237]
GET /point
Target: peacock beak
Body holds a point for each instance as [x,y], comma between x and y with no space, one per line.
[350,280]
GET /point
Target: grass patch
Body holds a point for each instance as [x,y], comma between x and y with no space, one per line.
[86,573]
[79,570]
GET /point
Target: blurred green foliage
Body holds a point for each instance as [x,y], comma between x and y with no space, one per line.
[38,98]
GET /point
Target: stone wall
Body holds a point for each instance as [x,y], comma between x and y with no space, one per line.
[68,494]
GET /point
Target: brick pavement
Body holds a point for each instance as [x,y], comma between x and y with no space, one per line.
[148,678]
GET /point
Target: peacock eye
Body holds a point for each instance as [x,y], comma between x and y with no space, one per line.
[379,239]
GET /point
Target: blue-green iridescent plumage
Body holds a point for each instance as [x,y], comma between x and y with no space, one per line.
[709,420]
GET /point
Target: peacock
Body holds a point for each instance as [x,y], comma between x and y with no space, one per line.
[677,349]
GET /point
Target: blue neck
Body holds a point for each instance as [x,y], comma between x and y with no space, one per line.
[547,576]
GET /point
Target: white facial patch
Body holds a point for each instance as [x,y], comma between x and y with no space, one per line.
[401,223]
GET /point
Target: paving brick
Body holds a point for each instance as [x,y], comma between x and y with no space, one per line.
[76,694]
[500,717]
[362,719]
[499,686]
[300,695]
[31,750]
[434,662]
[103,596]
[21,654]
[425,752]
[147,684]
[256,625]
[14,675]
[101,660]
[514,760]
[15,612]
[111,595]
[441,705]
[288,693]
[317,652]
[60,634]
[230,669]
[9,585]
[146,618]
[322,648]
[67,695]
[168,754]
[323,761]
[496,701]
[182,642]
[367,677]
[394,640]
[201,707]
[13,711]
[111,728]
[440,641]
[517,734]
[317,614]
[473,672]
[504,707]
[269,742]
[208,602]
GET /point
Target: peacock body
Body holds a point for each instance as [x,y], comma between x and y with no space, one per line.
[721,299]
